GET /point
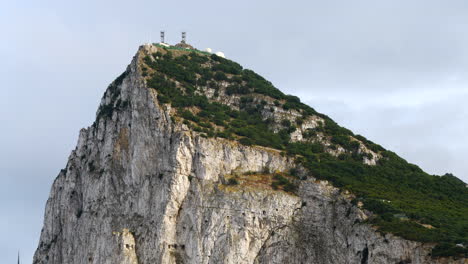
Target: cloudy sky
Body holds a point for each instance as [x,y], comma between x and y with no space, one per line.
[394,71]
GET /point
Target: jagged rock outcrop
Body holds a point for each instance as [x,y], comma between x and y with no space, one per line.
[142,188]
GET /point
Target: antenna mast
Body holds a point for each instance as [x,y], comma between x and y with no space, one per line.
[162,36]
[184,37]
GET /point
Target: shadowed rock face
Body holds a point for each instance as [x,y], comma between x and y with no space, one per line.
[141,188]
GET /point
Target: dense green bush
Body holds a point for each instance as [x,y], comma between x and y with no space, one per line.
[286,123]
[220,76]
[237,89]
[290,187]
[280,180]
[445,249]
[233,181]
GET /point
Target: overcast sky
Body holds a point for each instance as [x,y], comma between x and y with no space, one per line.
[395,71]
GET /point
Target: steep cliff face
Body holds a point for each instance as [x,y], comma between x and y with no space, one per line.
[141,187]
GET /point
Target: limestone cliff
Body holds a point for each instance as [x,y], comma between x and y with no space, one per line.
[142,187]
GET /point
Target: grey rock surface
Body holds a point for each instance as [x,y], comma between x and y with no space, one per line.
[141,188]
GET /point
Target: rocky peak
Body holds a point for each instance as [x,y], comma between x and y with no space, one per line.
[193,159]
[216,80]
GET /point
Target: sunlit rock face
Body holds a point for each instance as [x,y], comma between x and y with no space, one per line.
[142,188]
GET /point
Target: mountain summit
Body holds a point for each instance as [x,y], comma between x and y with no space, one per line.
[193,159]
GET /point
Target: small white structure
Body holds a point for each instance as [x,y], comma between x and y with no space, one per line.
[164,44]
[208,50]
[220,54]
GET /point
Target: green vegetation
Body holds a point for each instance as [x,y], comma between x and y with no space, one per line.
[391,188]
[233,181]
[280,180]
